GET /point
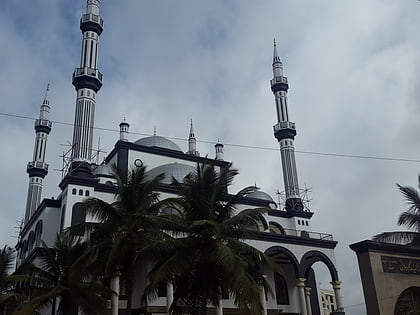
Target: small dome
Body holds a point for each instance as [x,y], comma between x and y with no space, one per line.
[179,171]
[259,194]
[157,141]
[102,170]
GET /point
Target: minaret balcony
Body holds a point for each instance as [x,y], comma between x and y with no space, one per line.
[37,168]
[284,130]
[87,78]
[43,122]
[284,125]
[91,22]
[279,84]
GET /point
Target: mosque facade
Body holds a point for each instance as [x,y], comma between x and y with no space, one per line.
[285,233]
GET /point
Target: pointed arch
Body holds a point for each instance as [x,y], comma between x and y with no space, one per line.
[314,256]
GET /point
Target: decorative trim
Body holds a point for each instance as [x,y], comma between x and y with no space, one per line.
[379,247]
[295,240]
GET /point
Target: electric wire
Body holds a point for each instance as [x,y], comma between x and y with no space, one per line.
[237,145]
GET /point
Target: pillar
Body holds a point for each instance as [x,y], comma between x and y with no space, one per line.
[115,286]
[169,296]
[219,308]
[336,287]
[262,300]
[300,283]
[308,300]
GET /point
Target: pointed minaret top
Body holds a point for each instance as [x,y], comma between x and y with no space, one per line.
[276,57]
[46,101]
[191,130]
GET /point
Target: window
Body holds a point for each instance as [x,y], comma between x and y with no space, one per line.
[73,192]
[282,294]
[87,193]
[78,217]
[80,192]
[299,222]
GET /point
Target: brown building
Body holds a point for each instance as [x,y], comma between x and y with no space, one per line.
[390,276]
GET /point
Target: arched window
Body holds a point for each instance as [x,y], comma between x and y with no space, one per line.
[276,228]
[31,241]
[282,294]
[80,192]
[38,233]
[87,193]
[73,191]
[78,217]
[408,302]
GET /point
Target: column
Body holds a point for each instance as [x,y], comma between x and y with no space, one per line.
[300,283]
[336,287]
[115,286]
[262,300]
[308,300]
[219,308]
[169,296]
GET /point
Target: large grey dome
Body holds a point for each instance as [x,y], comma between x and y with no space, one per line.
[158,141]
[179,171]
[258,194]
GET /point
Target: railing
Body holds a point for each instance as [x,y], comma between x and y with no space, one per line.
[87,71]
[284,125]
[90,17]
[307,234]
[43,122]
[277,80]
[37,164]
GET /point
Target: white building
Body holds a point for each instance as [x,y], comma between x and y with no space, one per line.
[285,234]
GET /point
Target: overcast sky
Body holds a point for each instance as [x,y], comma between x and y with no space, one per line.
[354,89]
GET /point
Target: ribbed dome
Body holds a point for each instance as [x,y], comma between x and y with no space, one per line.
[258,194]
[158,141]
[179,171]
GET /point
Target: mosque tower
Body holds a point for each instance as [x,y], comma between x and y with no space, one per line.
[285,132]
[38,169]
[192,142]
[87,81]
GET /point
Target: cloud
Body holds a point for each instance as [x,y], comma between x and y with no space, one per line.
[352,68]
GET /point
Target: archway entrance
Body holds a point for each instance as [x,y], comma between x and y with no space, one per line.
[408,302]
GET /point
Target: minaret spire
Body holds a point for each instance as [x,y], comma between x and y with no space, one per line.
[87,81]
[192,142]
[38,169]
[285,132]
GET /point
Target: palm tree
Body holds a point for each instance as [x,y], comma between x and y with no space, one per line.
[410,218]
[208,253]
[65,275]
[7,296]
[125,226]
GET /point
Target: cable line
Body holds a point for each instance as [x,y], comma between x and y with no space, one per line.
[237,145]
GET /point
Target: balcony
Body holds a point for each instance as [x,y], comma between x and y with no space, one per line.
[41,166]
[284,125]
[310,235]
[278,80]
[92,22]
[87,78]
[43,122]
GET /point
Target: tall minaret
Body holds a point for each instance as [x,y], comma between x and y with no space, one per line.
[285,132]
[192,142]
[88,81]
[38,169]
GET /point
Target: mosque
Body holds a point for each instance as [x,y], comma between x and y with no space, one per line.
[285,233]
